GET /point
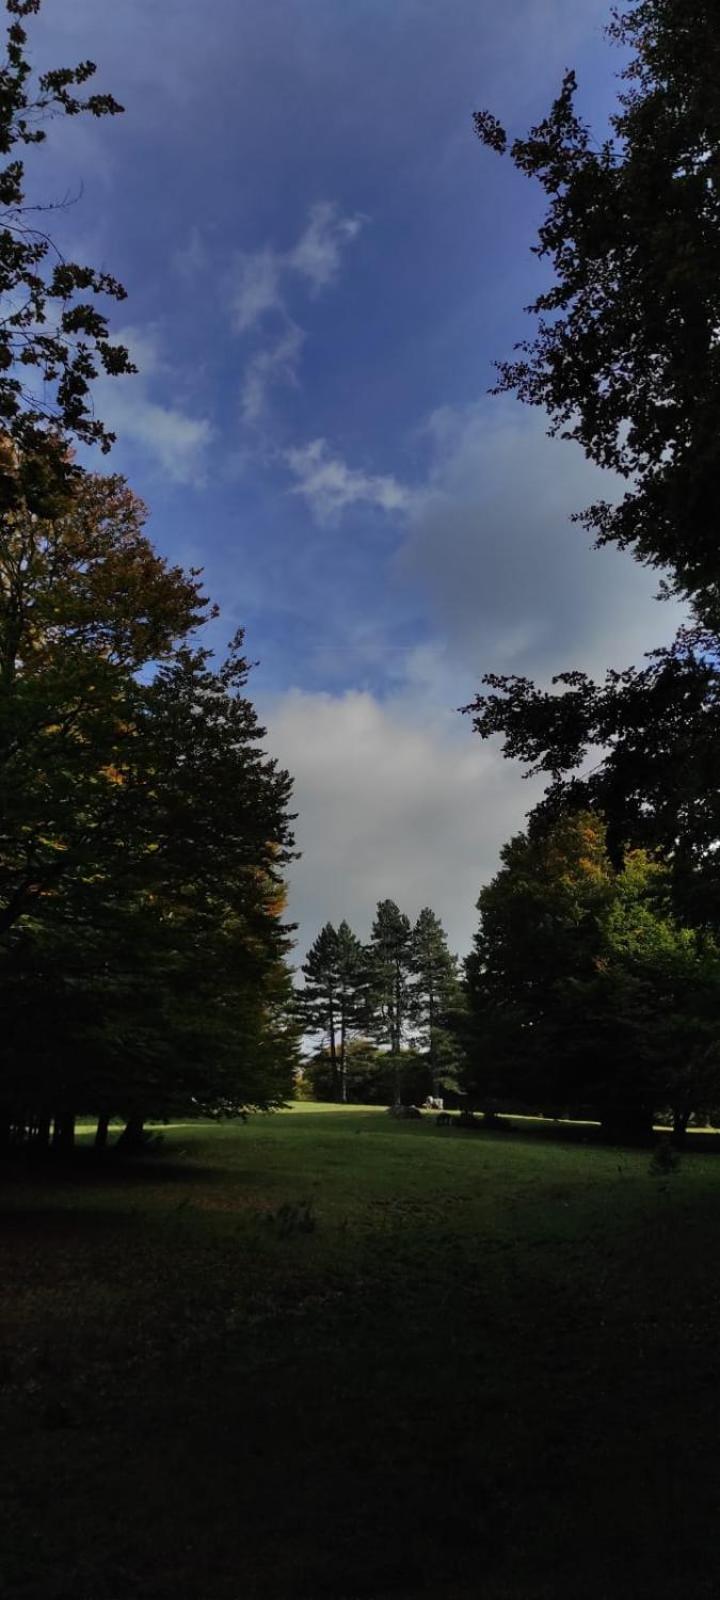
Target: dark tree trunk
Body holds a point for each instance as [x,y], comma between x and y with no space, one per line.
[681,1118]
[133,1134]
[64,1131]
[101,1132]
[333,1054]
[343,1075]
[42,1132]
[627,1125]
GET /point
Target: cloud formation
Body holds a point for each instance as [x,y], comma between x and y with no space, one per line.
[329,486]
[277,364]
[260,276]
[511,584]
[393,802]
[173,440]
[261,279]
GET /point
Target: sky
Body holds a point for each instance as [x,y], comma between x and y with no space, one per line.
[322,264]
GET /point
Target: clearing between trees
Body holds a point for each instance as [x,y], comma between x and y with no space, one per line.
[328,1354]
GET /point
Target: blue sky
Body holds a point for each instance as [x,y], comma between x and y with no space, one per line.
[321,264]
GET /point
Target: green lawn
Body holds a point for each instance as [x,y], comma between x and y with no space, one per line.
[332,1357]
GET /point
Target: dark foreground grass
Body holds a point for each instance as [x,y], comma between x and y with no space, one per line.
[491,1368]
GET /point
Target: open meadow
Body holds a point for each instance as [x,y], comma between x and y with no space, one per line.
[329,1356]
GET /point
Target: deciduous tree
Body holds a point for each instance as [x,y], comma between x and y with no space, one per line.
[626,358]
[54,340]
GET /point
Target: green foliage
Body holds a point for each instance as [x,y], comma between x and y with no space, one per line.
[374,1077]
[390,952]
[626,361]
[654,737]
[626,358]
[333,1001]
[53,339]
[143,839]
[583,990]
[435,989]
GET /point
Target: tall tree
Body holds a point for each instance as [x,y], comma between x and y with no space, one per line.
[85,604]
[353,987]
[434,973]
[626,357]
[143,838]
[319,999]
[53,338]
[626,360]
[641,749]
[390,953]
[333,1001]
[584,991]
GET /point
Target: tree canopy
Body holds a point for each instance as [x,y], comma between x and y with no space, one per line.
[54,339]
[585,993]
[626,358]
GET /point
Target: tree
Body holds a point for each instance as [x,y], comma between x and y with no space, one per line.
[626,357]
[318,1001]
[626,361]
[372,1075]
[434,972]
[540,926]
[352,994]
[85,604]
[390,955]
[585,994]
[53,338]
[144,836]
[334,998]
[653,735]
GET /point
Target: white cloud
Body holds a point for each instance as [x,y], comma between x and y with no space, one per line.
[318,252]
[509,582]
[278,364]
[396,800]
[259,275]
[176,441]
[192,258]
[257,288]
[329,486]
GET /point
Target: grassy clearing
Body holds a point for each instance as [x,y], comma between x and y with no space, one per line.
[332,1357]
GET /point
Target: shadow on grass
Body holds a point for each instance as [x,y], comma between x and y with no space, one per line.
[110,1167]
[549,1131]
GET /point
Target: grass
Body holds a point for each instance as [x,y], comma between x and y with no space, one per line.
[328,1356]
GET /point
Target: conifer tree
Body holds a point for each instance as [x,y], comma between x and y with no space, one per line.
[352,993]
[434,972]
[334,999]
[390,952]
[319,999]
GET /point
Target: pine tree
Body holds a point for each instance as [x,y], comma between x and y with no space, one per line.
[390,954]
[434,972]
[319,1000]
[334,999]
[352,993]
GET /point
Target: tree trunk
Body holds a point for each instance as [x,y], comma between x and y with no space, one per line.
[64,1131]
[681,1118]
[42,1132]
[627,1125]
[101,1132]
[431,1052]
[133,1134]
[343,1078]
[333,1053]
